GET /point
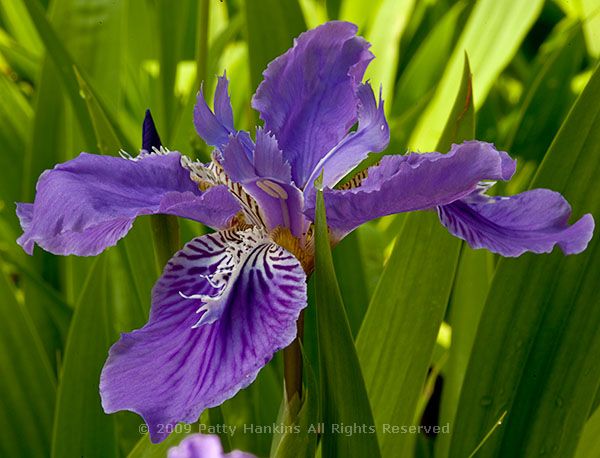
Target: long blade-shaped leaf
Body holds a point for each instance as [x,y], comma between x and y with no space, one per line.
[490,37]
[64,65]
[344,397]
[542,364]
[396,340]
[27,385]
[81,428]
[271,26]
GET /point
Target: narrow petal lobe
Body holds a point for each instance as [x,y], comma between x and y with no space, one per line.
[215,128]
[150,137]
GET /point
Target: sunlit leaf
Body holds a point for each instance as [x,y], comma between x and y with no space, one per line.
[491,36]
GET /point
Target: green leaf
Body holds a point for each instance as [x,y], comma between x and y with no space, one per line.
[589,444]
[385,32]
[15,19]
[27,384]
[109,137]
[344,397]
[590,15]
[350,272]
[543,106]
[165,232]
[64,65]
[424,69]
[146,449]
[256,405]
[491,36]
[411,299]
[358,11]
[473,278]
[300,418]
[81,428]
[541,365]
[172,27]
[398,334]
[461,122]
[271,26]
[15,120]
[57,308]
[24,63]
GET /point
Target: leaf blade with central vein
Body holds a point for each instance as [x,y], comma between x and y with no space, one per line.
[344,396]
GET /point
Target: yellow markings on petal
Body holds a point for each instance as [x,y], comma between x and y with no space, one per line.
[303,251]
[355,181]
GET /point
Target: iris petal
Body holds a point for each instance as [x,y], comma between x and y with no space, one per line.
[372,135]
[216,128]
[415,182]
[179,363]
[203,446]
[535,221]
[266,176]
[308,95]
[87,204]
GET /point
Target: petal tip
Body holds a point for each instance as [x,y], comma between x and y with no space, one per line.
[580,235]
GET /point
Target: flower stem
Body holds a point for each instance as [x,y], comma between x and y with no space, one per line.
[165,232]
[292,363]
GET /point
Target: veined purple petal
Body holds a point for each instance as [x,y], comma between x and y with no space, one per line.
[266,176]
[415,182]
[533,221]
[223,109]
[248,293]
[308,95]
[372,135]
[212,131]
[203,446]
[87,204]
[215,128]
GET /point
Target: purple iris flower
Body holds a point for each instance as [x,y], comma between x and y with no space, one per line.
[203,446]
[229,300]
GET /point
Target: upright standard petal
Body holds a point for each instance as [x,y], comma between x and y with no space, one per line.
[372,135]
[414,182]
[224,305]
[308,95]
[533,221]
[266,176]
[203,446]
[215,128]
[87,204]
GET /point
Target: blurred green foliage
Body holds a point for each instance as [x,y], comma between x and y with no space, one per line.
[77,75]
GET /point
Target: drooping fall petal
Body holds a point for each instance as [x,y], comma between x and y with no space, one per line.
[87,204]
[224,305]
